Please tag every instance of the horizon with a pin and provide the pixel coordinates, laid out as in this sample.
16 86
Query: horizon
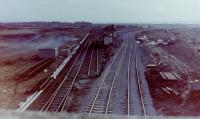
104 11
71 22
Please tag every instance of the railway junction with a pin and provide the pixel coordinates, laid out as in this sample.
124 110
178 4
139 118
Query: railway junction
97 78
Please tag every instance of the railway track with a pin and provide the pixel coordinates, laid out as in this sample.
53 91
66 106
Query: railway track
89 70
124 84
113 85
123 72
140 90
97 63
93 65
145 101
52 87
94 59
98 103
123 68
128 82
59 98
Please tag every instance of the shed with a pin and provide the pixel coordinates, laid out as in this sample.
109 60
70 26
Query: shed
48 53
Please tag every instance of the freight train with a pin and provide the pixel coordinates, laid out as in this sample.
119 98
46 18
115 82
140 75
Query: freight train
59 71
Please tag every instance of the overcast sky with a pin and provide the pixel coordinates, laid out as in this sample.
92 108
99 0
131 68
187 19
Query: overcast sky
117 11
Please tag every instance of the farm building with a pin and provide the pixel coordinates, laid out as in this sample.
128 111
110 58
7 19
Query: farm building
48 53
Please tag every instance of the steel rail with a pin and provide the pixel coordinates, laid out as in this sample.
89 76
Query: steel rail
44 108
103 79
139 82
114 80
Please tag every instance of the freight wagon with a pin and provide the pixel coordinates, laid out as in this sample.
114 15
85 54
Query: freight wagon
48 53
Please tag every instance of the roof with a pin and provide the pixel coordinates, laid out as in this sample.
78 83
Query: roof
151 65
170 76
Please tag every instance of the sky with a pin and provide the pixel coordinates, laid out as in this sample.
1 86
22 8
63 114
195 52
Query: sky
101 11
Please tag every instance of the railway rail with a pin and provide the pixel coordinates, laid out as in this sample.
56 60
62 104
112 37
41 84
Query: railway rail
103 102
128 82
124 65
50 86
94 59
142 86
93 63
58 101
89 70
59 97
139 83
117 73
92 107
